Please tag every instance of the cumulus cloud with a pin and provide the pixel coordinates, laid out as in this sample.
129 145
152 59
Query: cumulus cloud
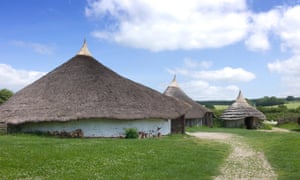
290 75
227 74
202 83
261 27
257 42
202 90
288 31
36 47
288 67
170 25
15 79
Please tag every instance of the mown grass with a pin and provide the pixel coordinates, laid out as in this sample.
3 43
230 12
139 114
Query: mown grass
221 107
292 104
293 126
172 157
281 149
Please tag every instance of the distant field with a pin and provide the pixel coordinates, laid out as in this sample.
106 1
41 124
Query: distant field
171 157
293 104
221 107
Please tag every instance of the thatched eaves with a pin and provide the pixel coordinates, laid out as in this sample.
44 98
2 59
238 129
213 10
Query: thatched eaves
197 110
240 109
83 88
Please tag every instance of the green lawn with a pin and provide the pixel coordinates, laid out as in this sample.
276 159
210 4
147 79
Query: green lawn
171 157
292 104
221 107
281 149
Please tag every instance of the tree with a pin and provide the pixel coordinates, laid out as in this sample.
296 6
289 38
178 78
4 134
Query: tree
210 106
290 98
269 101
5 94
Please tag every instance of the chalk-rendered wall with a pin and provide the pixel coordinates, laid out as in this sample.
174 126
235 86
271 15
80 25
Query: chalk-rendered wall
102 128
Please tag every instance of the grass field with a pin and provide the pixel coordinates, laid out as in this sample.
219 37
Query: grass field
172 157
281 149
221 107
292 104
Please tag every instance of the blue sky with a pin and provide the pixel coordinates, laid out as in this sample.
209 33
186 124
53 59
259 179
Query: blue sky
215 48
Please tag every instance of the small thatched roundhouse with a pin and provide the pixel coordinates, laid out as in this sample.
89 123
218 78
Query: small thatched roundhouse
198 115
84 95
240 114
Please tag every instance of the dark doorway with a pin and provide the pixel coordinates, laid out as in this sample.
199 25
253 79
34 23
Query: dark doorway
178 125
249 122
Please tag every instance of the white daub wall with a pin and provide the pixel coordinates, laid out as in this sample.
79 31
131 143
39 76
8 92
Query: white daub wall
102 128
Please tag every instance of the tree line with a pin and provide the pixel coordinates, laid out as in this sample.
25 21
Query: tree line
265 101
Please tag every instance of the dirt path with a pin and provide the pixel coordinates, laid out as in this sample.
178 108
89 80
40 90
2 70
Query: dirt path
243 162
276 129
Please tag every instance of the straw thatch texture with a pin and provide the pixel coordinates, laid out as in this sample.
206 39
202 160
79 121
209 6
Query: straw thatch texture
82 88
197 110
240 109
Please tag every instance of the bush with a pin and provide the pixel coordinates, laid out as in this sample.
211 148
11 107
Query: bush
266 126
131 133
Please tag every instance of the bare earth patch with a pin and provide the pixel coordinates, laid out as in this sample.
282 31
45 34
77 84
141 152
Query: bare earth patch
243 162
276 129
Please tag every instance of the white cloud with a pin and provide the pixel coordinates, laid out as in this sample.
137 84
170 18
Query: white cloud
287 67
203 83
36 47
260 28
170 25
290 75
257 42
283 22
288 29
201 90
15 79
227 74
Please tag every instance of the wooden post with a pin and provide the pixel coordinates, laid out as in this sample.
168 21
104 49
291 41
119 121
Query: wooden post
3 128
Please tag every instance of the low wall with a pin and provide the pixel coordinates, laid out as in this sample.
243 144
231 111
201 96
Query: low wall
101 128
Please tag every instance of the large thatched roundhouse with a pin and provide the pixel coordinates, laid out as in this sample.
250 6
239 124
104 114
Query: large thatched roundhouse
197 115
84 94
241 114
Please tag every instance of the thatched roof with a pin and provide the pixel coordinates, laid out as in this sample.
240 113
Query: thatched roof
197 110
83 88
240 109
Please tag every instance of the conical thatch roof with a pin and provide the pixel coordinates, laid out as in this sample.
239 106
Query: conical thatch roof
197 110
240 109
82 88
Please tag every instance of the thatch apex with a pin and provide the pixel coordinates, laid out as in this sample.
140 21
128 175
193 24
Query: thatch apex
197 111
174 83
84 50
240 100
